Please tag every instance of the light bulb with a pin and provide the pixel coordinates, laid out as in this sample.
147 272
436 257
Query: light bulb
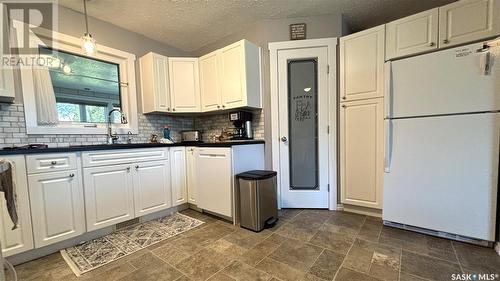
88 44
66 69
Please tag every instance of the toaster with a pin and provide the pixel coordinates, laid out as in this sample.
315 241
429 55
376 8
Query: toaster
190 136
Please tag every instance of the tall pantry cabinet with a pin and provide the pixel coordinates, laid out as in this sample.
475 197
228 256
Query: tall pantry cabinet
361 118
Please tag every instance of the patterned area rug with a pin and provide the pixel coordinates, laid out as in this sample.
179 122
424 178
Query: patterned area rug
100 251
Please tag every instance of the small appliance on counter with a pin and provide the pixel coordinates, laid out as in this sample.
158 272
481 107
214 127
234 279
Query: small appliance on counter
242 121
191 136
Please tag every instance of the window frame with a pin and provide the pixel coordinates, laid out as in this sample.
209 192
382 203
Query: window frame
71 44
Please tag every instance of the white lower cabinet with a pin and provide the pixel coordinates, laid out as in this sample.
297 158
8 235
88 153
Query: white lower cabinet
214 170
20 239
109 195
191 176
178 172
57 209
151 187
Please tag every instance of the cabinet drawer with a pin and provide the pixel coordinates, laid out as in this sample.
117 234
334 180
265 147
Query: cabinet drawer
50 162
111 157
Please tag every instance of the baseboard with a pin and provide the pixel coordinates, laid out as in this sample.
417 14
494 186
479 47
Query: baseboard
362 210
50 249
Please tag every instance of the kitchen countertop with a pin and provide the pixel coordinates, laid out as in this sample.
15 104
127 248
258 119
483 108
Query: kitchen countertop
75 148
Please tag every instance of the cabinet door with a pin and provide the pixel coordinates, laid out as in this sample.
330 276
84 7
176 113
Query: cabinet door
160 83
178 171
362 64
57 209
191 175
7 92
412 35
214 170
232 65
184 84
209 83
20 239
151 187
109 195
467 21
361 152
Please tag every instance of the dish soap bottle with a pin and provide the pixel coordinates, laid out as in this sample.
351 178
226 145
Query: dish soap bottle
166 135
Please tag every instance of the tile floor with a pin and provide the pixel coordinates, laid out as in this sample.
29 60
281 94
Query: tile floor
305 245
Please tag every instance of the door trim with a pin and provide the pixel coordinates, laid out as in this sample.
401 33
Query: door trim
274 48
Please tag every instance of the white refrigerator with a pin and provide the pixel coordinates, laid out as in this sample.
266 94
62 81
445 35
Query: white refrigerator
442 129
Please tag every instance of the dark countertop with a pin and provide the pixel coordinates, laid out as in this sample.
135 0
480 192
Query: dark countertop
76 148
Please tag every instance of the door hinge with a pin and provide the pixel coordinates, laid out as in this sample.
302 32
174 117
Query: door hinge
328 185
327 69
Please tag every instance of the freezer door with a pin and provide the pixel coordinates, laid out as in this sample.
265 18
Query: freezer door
449 81
442 173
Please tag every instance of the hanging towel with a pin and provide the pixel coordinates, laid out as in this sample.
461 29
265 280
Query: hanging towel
7 186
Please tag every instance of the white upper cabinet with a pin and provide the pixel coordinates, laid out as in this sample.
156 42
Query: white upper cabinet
20 239
56 200
184 84
209 83
230 77
154 83
468 20
151 187
240 74
362 64
178 171
7 93
411 35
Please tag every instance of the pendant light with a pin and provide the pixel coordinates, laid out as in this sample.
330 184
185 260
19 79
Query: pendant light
88 43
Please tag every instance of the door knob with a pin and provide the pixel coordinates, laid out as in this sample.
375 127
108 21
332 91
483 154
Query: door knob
284 139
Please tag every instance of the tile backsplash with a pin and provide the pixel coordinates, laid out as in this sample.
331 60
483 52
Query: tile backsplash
13 128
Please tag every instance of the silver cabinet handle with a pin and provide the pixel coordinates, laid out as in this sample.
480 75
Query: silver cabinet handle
344 97
446 41
71 175
128 169
432 44
173 109
344 106
284 139
218 106
53 162
168 108
137 167
223 106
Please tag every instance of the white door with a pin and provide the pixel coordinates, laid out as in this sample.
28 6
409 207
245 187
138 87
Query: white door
361 152
467 21
20 239
151 187
362 57
214 170
232 66
412 35
57 209
191 175
178 171
209 83
109 195
184 84
442 173
303 126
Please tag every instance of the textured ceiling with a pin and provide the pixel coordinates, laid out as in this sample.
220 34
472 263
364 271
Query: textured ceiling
192 24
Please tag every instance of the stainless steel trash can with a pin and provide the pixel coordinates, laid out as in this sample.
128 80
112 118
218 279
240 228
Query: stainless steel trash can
258 203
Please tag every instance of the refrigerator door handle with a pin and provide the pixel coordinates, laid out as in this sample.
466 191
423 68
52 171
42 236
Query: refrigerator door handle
388 145
388 89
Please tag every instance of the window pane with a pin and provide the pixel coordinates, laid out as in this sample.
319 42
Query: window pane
68 112
302 124
95 113
91 83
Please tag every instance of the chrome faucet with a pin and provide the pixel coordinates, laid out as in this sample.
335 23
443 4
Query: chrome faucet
113 137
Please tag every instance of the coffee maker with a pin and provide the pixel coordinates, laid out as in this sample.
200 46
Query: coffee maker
242 121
